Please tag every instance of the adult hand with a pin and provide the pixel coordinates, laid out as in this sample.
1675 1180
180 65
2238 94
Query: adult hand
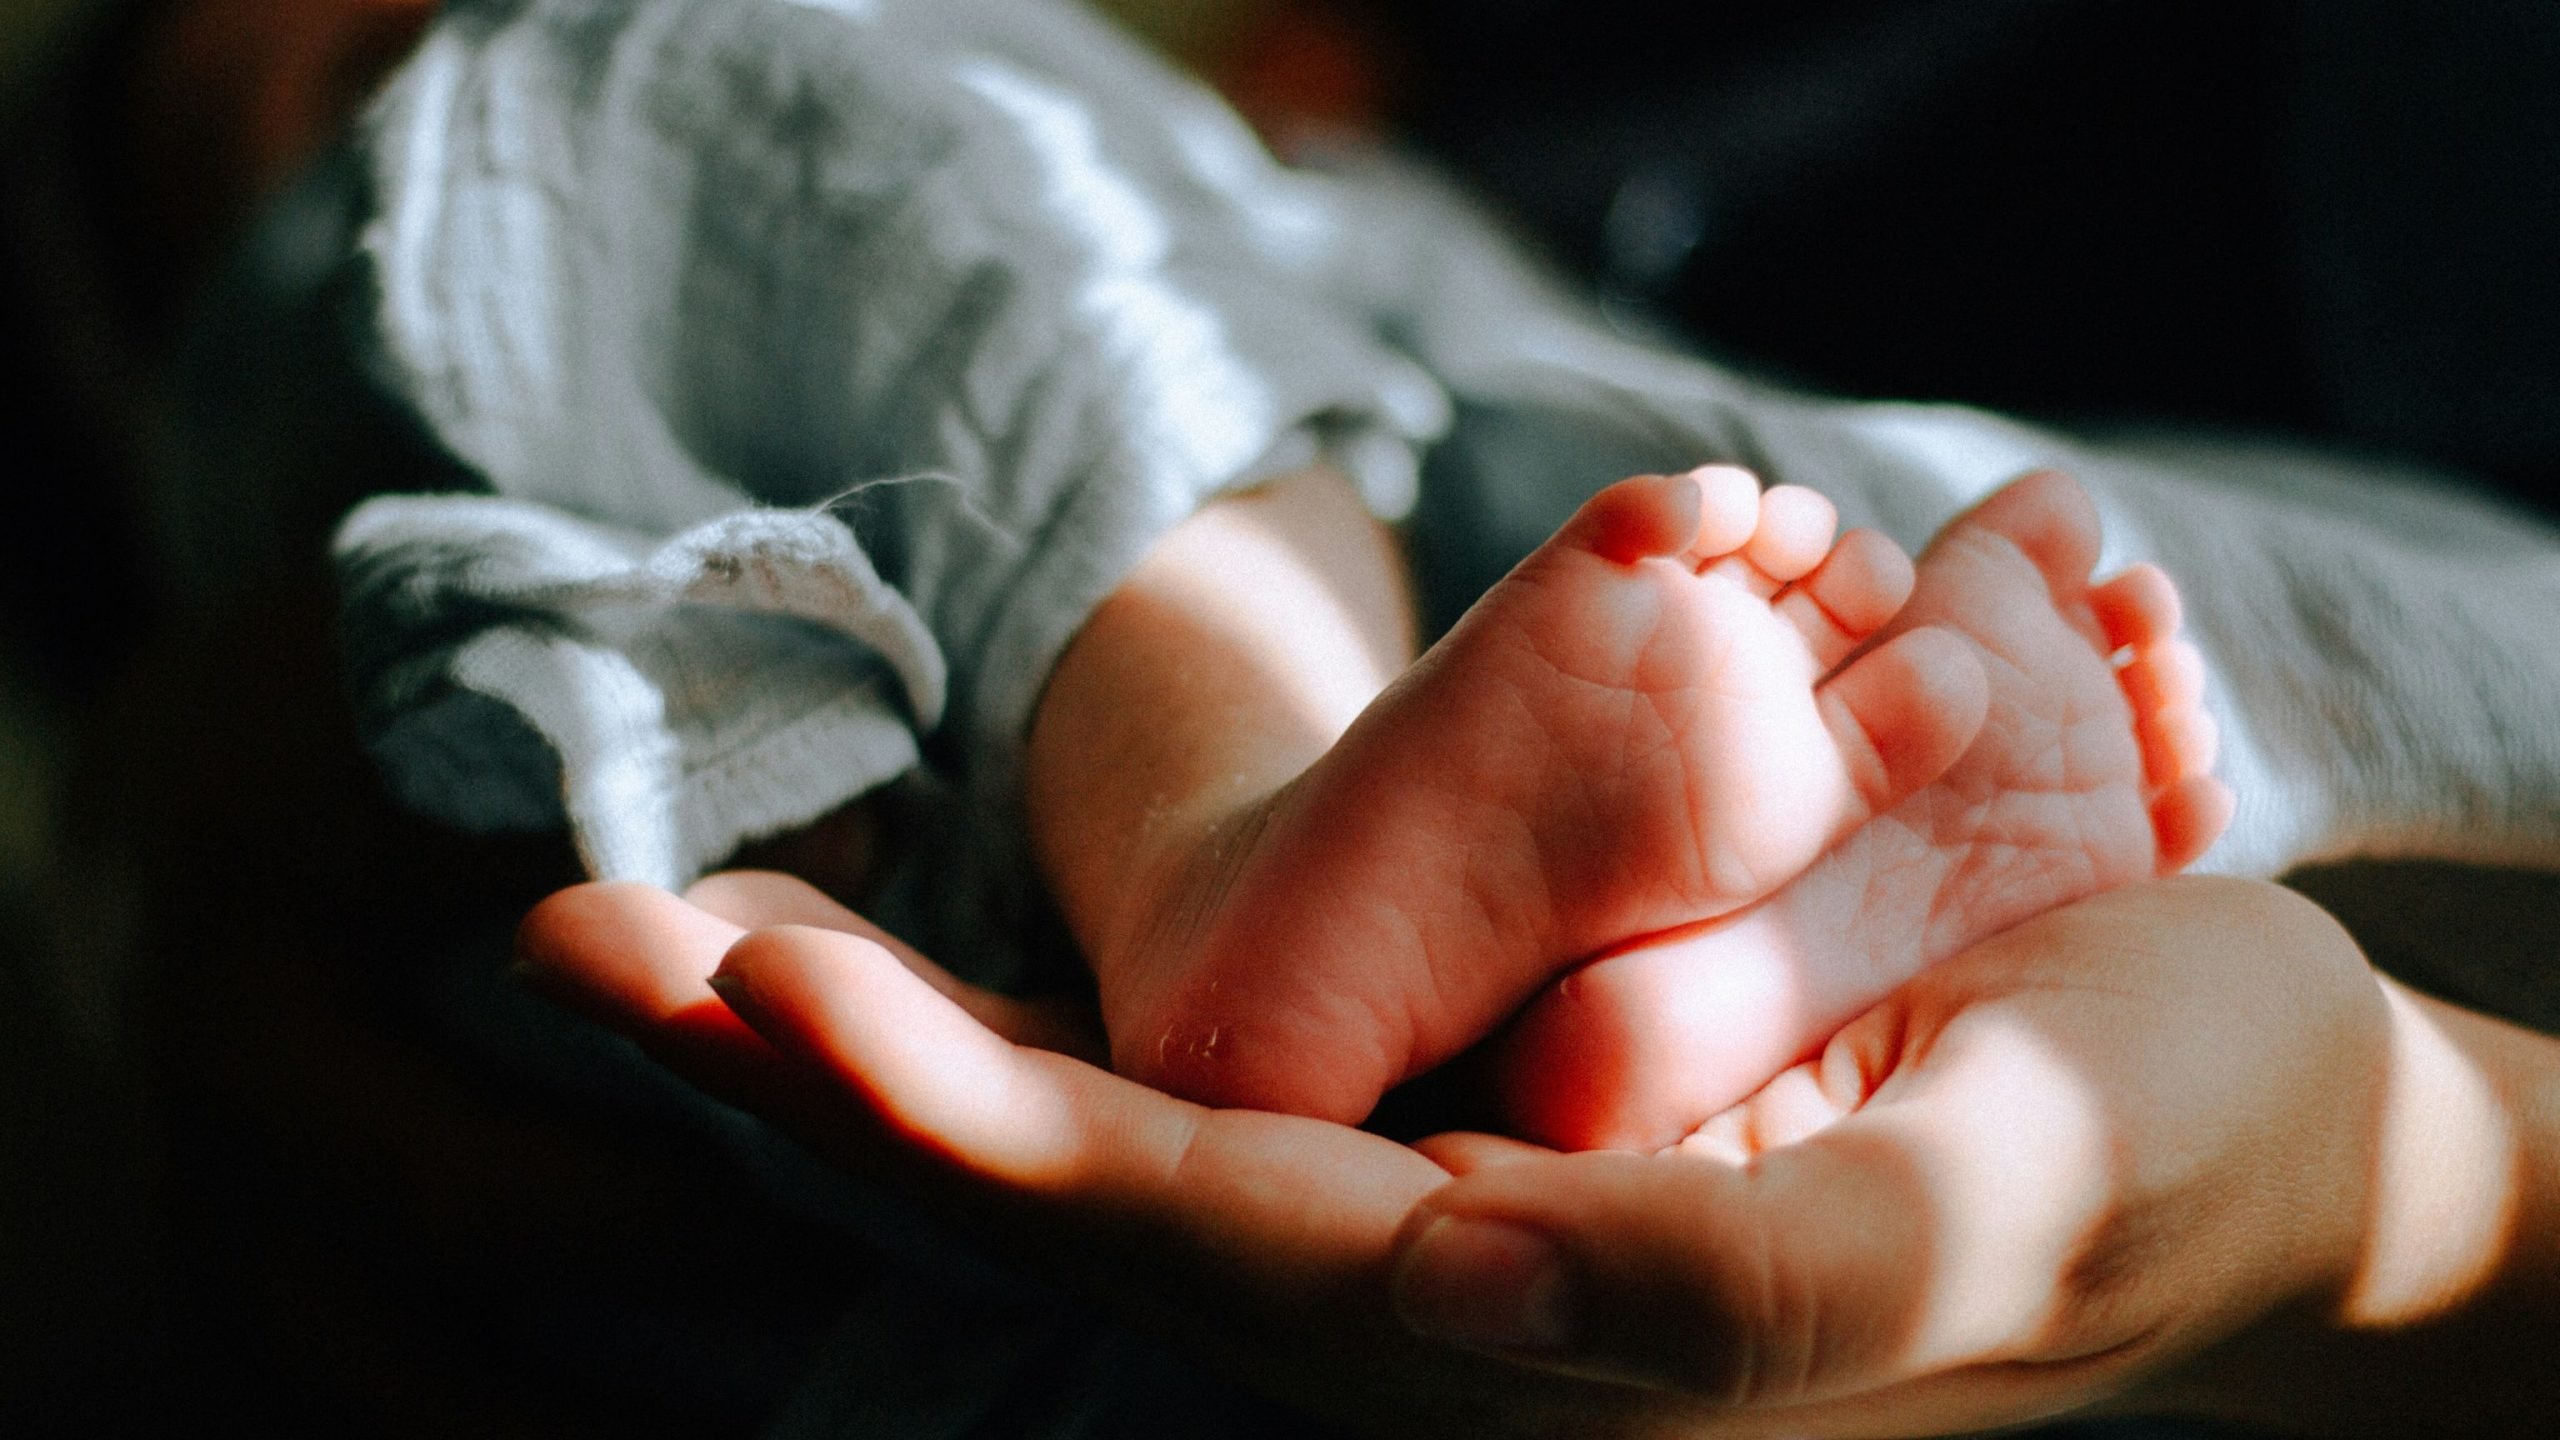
2174 1148
1261 1241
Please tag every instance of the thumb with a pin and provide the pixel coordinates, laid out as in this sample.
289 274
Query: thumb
1662 1270
1935 1230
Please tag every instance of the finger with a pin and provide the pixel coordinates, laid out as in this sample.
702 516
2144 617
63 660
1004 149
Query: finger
759 899
1044 1136
1462 1152
628 955
918 1062
1221 1229
1217 1229
637 960
1726 1137
1801 1102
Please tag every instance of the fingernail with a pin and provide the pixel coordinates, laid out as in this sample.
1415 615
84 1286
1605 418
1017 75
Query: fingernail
1485 1285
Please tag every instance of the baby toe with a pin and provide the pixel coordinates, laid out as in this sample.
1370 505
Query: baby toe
2177 744
1900 714
2047 517
2163 677
2137 608
1796 526
1859 586
1638 518
1729 511
2188 817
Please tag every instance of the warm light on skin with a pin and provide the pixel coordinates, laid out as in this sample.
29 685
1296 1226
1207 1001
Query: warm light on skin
933 1074
1233 567
2446 1187
1241 647
1800 1104
1748 966
1994 1282
2032 1195
1997 1274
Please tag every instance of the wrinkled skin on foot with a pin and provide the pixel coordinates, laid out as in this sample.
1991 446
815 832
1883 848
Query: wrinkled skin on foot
2090 773
1640 728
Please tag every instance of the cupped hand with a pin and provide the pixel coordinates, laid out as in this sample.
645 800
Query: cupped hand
2114 1157
1261 1241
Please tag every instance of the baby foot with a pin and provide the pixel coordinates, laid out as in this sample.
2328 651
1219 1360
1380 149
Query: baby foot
2090 773
1632 731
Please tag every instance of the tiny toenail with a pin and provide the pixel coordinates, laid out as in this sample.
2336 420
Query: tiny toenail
1486 1285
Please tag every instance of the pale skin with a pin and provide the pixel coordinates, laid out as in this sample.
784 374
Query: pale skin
2085 777
2174 1148
1644 732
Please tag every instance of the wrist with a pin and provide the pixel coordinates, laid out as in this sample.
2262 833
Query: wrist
2440 1317
2292 1217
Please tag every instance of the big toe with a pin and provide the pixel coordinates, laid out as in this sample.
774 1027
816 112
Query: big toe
1901 714
1705 513
2047 516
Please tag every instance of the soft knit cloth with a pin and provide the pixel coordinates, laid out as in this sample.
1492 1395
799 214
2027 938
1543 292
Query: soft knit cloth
975 295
